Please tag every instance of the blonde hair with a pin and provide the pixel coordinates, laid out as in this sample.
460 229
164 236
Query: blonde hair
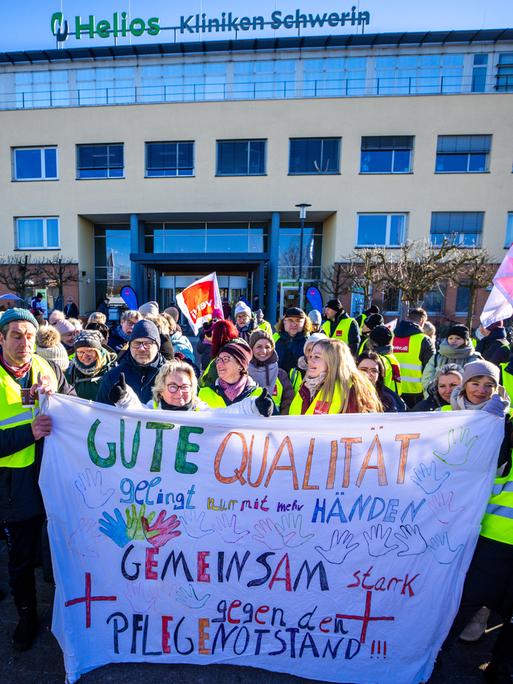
97 317
130 315
174 366
342 371
170 322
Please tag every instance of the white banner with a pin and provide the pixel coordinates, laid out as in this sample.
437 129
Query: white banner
330 547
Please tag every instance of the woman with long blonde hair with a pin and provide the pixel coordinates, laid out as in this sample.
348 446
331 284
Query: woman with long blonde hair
333 384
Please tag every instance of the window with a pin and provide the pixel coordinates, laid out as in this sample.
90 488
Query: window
314 155
34 163
479 73
169 159
462 300
100 161
434 301
391 300
386 230
463 153
37 233
509 230
463 228
241 157
386 154
505 72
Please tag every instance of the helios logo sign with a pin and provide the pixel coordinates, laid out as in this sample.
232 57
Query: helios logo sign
118 26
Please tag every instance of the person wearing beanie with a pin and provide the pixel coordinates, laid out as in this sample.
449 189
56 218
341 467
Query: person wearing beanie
137 368
340 326
67 331
372 309
244 321
151 308
315 319
493 345
439 392
380 341
233 383
23 375
220 334
490 576
56 315
455 348
89 364
413 349
292 331
49 347
371 321
264 370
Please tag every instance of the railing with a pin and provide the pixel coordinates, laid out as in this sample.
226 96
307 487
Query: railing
251 90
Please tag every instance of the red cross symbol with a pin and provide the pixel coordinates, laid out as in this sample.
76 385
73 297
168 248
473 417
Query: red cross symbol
87 599
366 617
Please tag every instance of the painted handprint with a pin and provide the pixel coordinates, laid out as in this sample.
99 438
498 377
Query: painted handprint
441 505
441 549
340 547
115 528
142 596
266 532
89 484
427 479
162 530
192 524
84 540
134 521
189 597
377 540
460 443
412 540
290 530
228 530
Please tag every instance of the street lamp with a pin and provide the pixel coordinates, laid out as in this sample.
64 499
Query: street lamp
303 206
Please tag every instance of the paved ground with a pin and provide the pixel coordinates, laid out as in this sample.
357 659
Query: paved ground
44 665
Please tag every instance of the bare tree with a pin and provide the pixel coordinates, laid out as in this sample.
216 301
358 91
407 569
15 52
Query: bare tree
58 271
476 273
360 271
17 273
418 267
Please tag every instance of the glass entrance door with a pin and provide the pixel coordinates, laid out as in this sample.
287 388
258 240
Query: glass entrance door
289 296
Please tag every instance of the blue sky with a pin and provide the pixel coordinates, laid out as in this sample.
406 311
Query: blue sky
26 24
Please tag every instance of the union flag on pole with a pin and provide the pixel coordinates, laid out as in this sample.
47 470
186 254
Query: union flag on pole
200 301
499 304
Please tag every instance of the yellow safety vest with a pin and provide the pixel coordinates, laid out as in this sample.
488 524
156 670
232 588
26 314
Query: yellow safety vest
507 381
266 327
407 353
388 381
295 378
276 337
341 332
277 393
205 373
12 411
497 522
318 406
362 346
215 400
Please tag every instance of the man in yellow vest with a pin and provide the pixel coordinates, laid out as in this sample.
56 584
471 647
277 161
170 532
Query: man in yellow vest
21 505
413 350
341 326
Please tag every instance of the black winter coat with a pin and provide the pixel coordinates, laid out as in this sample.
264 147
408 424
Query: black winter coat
140 378
289 350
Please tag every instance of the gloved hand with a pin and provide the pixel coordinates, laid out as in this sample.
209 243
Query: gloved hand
118 391
265 404
497 406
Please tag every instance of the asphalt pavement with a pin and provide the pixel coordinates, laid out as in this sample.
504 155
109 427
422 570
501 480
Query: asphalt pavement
43 664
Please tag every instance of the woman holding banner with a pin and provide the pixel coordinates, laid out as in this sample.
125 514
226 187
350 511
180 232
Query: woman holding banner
333 384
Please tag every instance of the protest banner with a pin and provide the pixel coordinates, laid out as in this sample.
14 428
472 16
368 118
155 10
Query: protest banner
329 547
200 300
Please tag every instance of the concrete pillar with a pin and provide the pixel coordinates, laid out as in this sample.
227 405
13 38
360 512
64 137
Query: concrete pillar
136 269
272 277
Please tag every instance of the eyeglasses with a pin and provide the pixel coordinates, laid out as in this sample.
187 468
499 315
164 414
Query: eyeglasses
173 389
223 360
136 344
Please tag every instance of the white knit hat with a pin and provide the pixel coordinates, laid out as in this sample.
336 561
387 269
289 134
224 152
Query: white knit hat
242 307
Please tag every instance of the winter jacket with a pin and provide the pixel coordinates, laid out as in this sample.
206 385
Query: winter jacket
140 378
494 347
266 374
117 339
392 402
289 350
433 401
447 354
88 386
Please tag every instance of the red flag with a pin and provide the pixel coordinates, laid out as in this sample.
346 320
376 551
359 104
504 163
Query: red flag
200 301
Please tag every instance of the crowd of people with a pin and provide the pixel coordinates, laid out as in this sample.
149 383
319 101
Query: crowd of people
309 364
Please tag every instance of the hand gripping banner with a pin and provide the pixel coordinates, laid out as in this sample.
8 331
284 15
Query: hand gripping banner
329 547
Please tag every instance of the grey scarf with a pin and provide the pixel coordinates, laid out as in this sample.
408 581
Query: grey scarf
264 374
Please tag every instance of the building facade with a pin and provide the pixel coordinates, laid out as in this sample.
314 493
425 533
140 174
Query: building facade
153 165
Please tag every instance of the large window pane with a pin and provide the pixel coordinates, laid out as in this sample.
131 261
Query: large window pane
169 159
240 157
314 155
100 161
28 164
37 233
372 229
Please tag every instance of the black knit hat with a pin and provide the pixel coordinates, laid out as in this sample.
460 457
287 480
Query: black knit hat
294 312
146 328
335 304
374 320
381 335
460 330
